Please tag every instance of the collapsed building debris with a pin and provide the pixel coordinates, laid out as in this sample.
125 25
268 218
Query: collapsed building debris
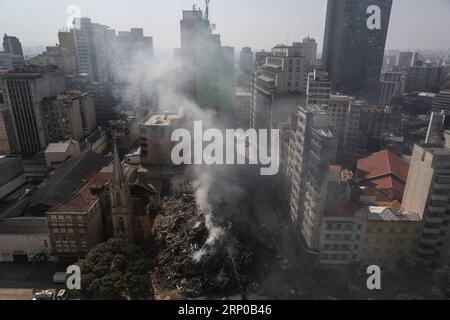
235 263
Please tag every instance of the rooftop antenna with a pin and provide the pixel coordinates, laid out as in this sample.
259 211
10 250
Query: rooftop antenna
207 10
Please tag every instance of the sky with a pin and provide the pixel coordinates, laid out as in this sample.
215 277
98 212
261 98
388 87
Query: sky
260 24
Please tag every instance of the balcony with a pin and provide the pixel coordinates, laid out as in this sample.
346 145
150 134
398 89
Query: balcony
436 197
433 219
431 230
428 242
441 186
432 209
425 253
265 82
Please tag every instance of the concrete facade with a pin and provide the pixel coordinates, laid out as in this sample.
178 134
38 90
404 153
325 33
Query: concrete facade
13 174
22 238
427 194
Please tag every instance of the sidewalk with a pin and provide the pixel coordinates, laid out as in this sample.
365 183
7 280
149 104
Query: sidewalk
28 276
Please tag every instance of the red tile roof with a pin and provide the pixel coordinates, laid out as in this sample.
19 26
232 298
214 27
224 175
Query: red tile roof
385 173
83 199
381 164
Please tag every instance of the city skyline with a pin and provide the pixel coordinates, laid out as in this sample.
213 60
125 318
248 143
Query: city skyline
423 23
151 154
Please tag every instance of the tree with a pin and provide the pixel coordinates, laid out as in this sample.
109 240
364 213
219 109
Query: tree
115 270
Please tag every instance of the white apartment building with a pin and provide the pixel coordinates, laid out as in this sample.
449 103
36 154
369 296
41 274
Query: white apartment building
342 233
311 150
427 194
318 89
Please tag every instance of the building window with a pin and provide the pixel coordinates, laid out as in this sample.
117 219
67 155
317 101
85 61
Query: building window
45 244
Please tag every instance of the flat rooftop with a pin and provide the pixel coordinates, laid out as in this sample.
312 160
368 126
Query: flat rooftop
59 147
21 226
162 118
391 214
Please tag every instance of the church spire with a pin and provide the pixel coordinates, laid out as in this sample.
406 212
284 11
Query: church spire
118 176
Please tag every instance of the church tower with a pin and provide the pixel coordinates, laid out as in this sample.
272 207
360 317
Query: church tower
121 204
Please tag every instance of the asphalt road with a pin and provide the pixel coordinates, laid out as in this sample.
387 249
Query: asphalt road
27 276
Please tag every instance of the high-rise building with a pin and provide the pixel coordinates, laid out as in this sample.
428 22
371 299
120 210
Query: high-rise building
393 84
353 52
69 51
442 102
242 112
425 78
277 86
312 147
56 56
406 60
155 137
345 115
360 127
12 55
95 45
106 100
70 115
12 45
24 91
260 57
376 121
427 194
309 49
133 44
207 66
246 60
318 89
9 61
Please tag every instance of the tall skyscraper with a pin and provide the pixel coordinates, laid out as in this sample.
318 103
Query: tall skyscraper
312 147
246 61
406 59
353 50
12 45
345 116
426 77
442 102
427 194
393 84
309 49
133 43
208 67
24 91
95 50
69 50
278 86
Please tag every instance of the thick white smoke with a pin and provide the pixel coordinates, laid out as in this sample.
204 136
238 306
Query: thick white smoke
202 188
155 79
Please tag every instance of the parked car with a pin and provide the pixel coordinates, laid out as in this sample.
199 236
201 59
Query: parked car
44 295
62 295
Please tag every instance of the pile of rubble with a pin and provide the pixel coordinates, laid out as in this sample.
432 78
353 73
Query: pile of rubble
236 262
